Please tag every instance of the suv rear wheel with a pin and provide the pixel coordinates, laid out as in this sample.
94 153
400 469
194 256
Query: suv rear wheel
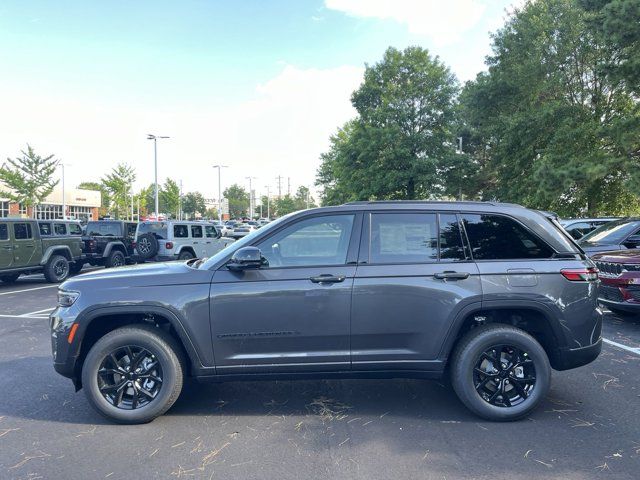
115 259
133 374
57 269
499 372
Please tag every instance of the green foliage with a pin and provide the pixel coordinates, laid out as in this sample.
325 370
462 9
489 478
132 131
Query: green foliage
28 177
118 185
303 198
169 198
403 134
192 203
284 205
548 126
238 201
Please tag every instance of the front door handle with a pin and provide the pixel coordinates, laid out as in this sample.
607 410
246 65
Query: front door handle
7 247
327 278
451 275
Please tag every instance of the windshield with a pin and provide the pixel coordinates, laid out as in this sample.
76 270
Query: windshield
611 233
103 229
159 229
225 252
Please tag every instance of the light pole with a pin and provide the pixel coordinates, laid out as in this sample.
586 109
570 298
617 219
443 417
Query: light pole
64 200
155 163
250 197
220 167
268 201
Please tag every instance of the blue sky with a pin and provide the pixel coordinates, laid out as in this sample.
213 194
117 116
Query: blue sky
258 85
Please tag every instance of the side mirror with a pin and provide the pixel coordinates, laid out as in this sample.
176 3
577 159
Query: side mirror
246 258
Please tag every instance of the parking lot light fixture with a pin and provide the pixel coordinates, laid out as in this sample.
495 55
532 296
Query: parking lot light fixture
220 167
155 163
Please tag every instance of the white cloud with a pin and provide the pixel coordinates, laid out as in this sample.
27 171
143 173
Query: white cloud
442 21
281 130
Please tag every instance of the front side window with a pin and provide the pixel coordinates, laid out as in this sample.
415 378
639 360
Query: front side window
45 229
180 231
312 242
196 231
403 238
60 228
495 237
4 232
210 231
22 231
75 229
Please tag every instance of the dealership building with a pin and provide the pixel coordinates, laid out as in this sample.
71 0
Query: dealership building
80 205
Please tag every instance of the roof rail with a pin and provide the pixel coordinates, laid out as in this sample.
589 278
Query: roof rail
437 202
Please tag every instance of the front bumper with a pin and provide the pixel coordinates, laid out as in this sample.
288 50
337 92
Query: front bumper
622 292
65 354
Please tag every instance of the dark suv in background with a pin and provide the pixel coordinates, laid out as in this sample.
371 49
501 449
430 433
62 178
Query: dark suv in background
492 295
620 276
617 235
109 243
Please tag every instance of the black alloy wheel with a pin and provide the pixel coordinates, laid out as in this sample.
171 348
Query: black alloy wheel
130 377
504 376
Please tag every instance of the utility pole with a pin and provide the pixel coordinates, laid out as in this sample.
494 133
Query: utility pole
64 201
460 184
251 199
288 185
180 202
308 193
279 178
268 202
219 167
155 163
131 188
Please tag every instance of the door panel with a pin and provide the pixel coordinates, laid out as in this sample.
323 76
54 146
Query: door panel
26 247
6 248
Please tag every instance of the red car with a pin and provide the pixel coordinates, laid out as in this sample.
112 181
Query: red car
620 276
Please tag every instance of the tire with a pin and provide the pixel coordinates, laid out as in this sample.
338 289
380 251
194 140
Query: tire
75 267
9 278
170 368
479 391
186 255
57 269
147 246
115 259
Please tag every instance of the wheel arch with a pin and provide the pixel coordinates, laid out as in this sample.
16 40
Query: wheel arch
63 250
114 245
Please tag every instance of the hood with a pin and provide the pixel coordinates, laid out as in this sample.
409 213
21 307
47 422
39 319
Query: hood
593 248
622 256
145 275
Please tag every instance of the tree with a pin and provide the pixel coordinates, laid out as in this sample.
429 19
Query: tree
192 203
552 128
104 194
28 178
119 184
303 198
403 134
284 205
211 214
169 197
238 200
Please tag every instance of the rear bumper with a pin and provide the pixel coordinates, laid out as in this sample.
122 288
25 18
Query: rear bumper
576 357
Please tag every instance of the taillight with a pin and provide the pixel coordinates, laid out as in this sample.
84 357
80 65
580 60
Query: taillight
168 245
580 274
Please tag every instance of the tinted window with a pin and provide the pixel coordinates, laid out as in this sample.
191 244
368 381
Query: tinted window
105 229
196 231
180 231
450 238
494 237
403 238
45 228
22 231
314 241
131 229
159 229
4 232
210 231
75 229
60 228
611 233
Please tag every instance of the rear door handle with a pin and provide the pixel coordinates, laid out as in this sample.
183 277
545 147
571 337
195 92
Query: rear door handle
327 278
451 275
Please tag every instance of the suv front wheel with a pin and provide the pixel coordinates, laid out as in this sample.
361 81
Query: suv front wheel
500 372
133 374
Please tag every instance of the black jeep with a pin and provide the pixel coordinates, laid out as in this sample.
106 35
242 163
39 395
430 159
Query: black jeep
109 243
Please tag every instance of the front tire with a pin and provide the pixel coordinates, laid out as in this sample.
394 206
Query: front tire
133 374
57 269
500 373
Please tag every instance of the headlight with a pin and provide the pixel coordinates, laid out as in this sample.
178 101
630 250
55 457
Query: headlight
66 298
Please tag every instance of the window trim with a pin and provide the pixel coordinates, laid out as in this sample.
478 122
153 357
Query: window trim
527 229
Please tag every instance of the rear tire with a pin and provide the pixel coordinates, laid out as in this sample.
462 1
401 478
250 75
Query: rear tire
9 278
115 259
162 349
507 388
57 269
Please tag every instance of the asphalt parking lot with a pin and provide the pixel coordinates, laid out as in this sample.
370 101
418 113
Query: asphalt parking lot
588 427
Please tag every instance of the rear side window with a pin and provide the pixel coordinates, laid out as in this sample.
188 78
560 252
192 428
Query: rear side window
131 230
45 229
22 231
451 246
495 237
60 228
196 231
180 231
4 232
74 229
106 229
403 238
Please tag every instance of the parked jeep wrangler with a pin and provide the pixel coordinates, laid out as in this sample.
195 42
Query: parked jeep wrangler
109 243
25 250
492 295
178 240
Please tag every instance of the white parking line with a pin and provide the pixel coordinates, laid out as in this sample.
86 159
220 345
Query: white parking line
39 312
28 289
623 347
22 317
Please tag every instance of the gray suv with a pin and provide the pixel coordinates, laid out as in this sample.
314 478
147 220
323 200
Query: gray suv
491 295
